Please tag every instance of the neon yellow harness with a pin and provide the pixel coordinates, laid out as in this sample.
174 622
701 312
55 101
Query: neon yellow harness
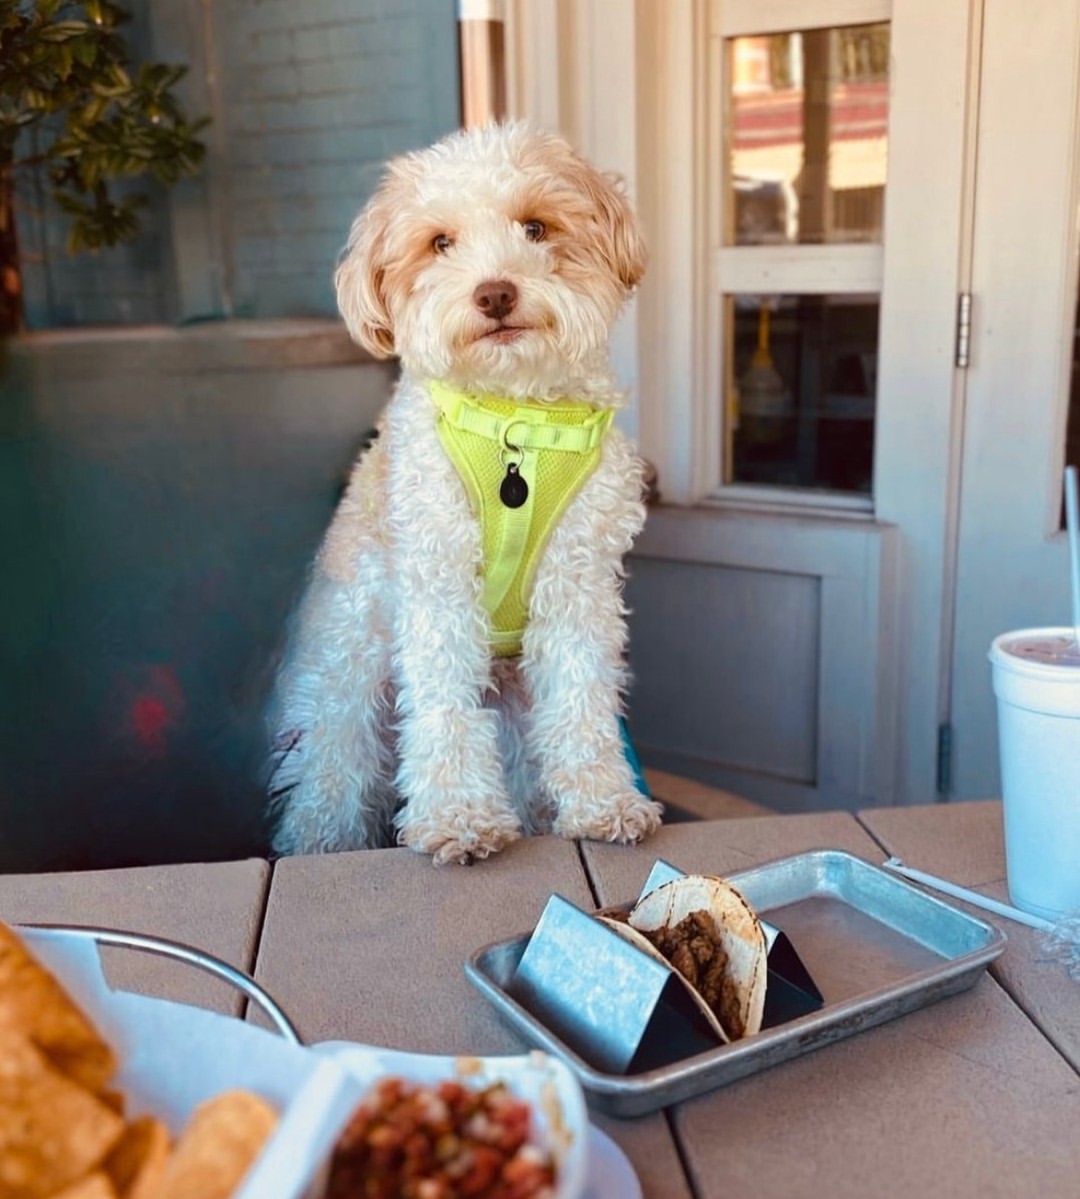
553 446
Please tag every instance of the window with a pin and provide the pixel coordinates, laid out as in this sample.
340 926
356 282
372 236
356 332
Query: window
800 222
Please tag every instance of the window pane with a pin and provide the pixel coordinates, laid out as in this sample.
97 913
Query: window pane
803 391
808 136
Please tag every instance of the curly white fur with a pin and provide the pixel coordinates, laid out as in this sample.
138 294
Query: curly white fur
390 711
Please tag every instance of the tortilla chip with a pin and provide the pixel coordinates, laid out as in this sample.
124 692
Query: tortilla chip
138 1159
115 1099
52 1131
93 1186
35 1005
218 1147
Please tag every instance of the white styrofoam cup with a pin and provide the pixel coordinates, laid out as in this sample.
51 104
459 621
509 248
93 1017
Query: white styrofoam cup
1038 704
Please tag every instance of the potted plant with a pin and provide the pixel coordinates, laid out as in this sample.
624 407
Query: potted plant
74 105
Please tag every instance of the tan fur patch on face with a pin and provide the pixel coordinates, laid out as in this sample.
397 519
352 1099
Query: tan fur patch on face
412 252
590 207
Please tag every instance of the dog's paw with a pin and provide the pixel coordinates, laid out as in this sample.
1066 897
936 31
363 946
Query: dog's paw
627 816
463 838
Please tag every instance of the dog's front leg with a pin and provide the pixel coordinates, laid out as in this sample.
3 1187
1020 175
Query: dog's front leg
332 770
573 659
450 773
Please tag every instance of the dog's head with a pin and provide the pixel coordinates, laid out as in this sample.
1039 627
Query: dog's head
498 258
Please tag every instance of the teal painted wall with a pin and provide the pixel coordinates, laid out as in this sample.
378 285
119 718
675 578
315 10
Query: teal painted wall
161 497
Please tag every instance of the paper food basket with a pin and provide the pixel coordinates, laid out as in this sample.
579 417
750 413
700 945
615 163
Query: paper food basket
174 1056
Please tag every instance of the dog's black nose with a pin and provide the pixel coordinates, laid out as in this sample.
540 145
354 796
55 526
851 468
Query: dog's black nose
495 298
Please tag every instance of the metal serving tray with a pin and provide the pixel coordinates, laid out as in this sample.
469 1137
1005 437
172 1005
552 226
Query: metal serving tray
876 946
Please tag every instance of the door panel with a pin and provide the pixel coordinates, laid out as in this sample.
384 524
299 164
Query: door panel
762 676
758 647
1012 568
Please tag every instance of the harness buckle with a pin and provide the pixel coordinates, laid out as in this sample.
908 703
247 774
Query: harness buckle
510 455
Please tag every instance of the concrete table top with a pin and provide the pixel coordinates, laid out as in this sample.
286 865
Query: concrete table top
369 946
214 906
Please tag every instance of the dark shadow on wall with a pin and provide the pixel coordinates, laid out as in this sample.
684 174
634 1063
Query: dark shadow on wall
160 502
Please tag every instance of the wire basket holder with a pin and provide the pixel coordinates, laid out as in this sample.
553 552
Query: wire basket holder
178 951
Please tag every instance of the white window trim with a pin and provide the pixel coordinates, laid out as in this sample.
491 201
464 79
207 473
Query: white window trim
834 269
778 16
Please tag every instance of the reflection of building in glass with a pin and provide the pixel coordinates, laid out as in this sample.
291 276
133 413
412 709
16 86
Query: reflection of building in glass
809 135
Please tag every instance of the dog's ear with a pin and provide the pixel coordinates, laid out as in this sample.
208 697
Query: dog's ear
624 246
360 280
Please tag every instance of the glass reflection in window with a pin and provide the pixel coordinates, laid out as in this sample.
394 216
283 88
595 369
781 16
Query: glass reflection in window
808 135
803 392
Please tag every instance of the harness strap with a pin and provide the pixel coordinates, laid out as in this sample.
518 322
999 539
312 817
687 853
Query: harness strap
526 428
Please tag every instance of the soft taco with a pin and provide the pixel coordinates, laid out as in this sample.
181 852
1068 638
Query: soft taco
709 934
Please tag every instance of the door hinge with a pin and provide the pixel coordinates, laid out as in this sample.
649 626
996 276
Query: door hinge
963 329
944 759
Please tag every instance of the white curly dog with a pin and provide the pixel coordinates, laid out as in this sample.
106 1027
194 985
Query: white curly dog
457 668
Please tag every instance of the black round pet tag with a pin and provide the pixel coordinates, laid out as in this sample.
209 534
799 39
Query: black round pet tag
513 491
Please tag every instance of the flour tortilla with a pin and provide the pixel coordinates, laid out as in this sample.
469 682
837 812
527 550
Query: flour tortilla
738 933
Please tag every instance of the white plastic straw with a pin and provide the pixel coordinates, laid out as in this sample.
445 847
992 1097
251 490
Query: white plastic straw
1072 526
972 897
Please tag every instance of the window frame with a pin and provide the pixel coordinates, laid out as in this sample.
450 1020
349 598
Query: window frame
841 268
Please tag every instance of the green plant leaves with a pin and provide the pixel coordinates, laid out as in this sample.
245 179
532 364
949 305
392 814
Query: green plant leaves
66 67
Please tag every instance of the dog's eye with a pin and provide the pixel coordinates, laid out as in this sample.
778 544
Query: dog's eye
441 242
534 230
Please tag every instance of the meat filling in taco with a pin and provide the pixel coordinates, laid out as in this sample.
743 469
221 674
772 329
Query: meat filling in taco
692 948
